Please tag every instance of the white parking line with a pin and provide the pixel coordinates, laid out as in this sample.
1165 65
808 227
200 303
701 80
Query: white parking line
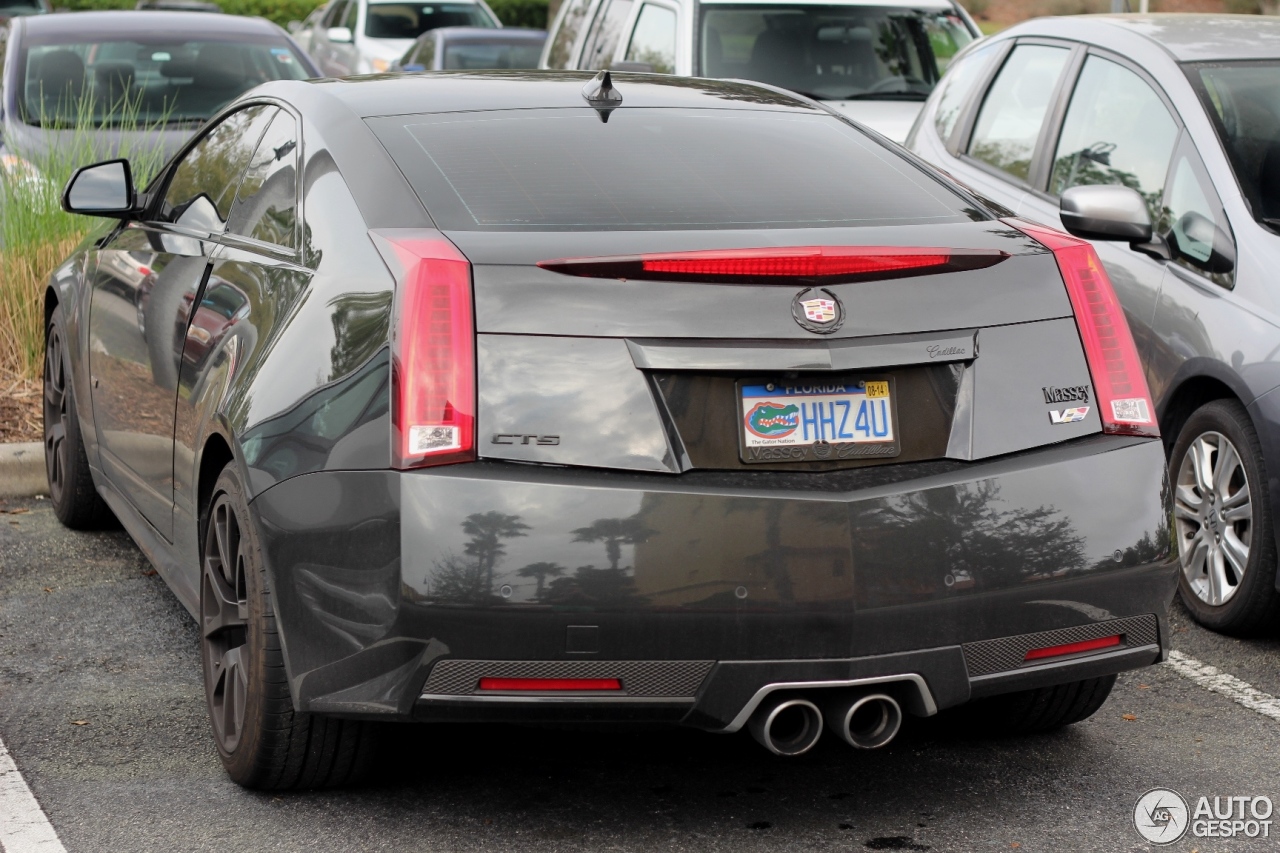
24 827
1214 679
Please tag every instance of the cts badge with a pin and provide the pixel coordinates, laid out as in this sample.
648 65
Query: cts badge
818 310
1068 416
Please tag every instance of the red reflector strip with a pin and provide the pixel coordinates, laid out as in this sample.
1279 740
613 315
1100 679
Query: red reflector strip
1073 648
818 264
550 684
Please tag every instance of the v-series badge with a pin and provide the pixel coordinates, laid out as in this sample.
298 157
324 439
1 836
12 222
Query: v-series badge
1066 395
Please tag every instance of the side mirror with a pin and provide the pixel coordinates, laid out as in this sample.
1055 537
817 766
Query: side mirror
1203 244
339 35
103 189
1106 213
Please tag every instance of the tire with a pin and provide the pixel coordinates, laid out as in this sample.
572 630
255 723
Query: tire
263 742
1226 542
75 499
1041 710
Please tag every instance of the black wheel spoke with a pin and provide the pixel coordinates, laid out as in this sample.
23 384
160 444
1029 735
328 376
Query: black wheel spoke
224 616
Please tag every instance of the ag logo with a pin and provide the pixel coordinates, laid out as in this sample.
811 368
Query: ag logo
818 310
1161 816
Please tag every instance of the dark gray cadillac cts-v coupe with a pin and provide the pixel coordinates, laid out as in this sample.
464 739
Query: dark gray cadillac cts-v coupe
543 397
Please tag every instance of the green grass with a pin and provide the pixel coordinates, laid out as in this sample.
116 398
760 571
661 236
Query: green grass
36 236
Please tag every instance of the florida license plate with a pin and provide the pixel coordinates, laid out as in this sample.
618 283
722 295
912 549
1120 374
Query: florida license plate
817 420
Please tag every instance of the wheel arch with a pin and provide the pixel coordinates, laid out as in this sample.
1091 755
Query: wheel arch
1190 394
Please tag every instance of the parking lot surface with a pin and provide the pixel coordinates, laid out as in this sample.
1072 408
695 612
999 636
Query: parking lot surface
102 710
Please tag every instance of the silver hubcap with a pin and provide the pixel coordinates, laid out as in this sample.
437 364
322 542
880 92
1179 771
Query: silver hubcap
1214 516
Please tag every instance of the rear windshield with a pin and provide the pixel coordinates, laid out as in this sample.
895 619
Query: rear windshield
830 51
498 53
657 169
145 81
410 20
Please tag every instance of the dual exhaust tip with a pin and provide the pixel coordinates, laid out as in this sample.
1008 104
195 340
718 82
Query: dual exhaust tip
792 725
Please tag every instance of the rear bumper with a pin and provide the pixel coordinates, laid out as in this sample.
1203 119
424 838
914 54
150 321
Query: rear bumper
396 592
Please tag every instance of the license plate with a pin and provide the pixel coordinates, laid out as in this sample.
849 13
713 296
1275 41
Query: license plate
816 420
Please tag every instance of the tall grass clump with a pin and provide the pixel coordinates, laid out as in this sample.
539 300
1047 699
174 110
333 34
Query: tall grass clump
36 236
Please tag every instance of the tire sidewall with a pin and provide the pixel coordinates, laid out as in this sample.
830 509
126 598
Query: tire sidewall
64 503
1230 419
242 763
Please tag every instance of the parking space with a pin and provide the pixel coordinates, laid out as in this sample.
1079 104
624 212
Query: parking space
102 710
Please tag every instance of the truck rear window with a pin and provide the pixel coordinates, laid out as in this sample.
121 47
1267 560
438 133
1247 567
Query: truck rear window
651 169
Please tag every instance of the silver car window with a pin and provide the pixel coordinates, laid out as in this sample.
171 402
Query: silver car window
654 39
1012 114
1117 131
957 85
606 32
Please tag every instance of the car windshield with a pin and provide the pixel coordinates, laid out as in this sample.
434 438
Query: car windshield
496 53
832 52
143 83
410 20
1244 100
648 169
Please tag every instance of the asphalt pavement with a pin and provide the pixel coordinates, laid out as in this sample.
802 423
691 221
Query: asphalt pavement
101 709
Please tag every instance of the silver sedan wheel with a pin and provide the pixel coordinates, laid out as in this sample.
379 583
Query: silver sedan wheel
1214 516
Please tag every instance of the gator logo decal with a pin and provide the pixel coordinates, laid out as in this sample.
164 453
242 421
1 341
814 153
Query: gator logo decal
770 420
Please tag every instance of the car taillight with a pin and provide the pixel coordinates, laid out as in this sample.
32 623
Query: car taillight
1124 403
815 264
433 372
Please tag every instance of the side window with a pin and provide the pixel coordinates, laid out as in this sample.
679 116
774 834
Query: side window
203 185
606 32
959 82
426 53
1194 222
558 55
349 19
1117 131
1013 112
266 205
654 39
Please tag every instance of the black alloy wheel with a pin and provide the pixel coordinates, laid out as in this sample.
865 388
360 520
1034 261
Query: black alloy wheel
1223 521
75 500
262 741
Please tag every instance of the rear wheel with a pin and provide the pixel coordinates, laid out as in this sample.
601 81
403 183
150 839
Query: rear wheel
75 500
1225 541
1042 709
262 741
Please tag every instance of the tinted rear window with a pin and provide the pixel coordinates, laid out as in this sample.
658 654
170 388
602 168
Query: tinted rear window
657 169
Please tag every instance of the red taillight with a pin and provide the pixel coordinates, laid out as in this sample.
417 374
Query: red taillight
1124 403
433 372
815 264
549 684
1073 648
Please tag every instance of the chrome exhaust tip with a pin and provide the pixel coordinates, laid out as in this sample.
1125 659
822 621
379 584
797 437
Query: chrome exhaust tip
787 726
869 722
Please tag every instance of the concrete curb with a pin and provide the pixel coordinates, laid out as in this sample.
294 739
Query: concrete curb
22 473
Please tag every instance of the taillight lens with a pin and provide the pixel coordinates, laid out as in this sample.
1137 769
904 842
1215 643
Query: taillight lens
1124 402
1074 648
433 372
814 264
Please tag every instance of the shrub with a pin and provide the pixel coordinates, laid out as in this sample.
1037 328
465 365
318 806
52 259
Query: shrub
521 13
36 235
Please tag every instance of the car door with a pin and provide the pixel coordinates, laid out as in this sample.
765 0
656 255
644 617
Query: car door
1117 129
323 50
255 274
147 275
